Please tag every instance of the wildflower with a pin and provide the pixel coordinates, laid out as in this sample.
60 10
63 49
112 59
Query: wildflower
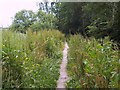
17 56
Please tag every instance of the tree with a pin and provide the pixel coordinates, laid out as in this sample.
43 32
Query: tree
44 6
104 21
43 21
115 29
100 19
69 16
22 20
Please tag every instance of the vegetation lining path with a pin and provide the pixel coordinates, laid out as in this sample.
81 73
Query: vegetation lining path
63 74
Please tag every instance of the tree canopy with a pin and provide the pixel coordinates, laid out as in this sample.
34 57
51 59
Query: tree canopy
22 20
89 19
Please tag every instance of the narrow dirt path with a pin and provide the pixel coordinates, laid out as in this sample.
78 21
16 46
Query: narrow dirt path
63 72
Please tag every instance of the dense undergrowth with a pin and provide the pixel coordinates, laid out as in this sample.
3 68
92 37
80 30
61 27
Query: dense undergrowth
31 60
92 65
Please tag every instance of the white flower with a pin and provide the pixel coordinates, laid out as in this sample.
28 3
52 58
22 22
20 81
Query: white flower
17 56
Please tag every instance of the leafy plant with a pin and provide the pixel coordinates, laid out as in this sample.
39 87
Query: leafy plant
91 64
31 60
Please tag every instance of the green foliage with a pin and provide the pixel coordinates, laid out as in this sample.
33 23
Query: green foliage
22 20
115 32
99 30
31 60
69 17
44 21
102 22
92 65
89 19
25 19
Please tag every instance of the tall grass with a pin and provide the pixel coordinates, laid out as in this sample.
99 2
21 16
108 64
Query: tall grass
92 65
31 60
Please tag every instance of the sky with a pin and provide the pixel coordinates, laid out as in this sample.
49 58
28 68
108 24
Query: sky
8 8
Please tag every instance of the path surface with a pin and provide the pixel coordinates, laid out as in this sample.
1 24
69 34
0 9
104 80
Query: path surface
63 72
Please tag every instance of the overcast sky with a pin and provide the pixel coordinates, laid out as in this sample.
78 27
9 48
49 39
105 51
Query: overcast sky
8 8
